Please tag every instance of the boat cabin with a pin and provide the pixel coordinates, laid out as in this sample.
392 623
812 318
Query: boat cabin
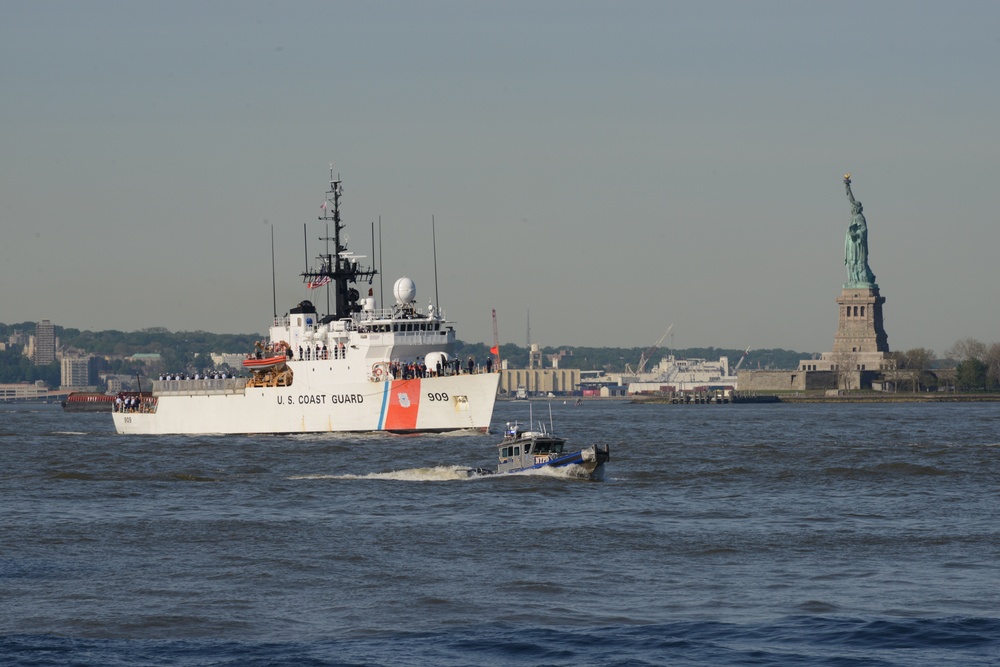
526 445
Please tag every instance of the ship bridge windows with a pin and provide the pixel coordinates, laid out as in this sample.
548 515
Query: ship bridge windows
407 327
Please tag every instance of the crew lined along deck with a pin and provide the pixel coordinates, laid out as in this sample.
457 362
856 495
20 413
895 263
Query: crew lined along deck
232 385
140 404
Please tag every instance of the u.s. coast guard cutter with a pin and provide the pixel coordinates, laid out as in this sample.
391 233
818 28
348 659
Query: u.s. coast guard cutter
360 369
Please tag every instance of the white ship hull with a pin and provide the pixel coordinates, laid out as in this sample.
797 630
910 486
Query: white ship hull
437 404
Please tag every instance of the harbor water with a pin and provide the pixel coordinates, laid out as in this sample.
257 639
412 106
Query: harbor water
719 535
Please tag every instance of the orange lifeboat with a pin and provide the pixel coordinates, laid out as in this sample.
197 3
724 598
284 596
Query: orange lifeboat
264 364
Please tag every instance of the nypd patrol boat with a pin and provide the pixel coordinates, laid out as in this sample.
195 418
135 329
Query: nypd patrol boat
525 449
360 368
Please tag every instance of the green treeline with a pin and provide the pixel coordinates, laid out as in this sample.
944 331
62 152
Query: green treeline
180 350
977 364
190 350
15 367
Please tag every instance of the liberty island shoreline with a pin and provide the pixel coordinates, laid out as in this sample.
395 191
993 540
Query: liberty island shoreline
857 397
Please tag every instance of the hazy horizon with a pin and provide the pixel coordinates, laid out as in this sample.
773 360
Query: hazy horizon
613 168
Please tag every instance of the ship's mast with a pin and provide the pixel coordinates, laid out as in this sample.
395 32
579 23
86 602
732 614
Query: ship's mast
340 268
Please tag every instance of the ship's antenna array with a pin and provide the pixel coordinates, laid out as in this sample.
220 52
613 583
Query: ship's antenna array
274 287
437 299
338 268
380 286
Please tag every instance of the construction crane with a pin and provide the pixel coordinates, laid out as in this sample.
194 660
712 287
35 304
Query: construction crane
648 354
496 340
740 362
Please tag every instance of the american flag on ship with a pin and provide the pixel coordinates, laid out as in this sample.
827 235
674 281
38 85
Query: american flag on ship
319 282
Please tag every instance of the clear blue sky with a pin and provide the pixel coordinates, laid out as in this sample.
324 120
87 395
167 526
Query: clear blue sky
613 167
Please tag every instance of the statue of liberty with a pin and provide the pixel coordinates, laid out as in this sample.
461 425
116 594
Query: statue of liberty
859 274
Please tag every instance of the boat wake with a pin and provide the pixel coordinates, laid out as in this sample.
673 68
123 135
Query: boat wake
435 474
457 473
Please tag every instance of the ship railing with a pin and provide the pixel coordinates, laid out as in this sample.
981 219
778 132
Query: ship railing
366 318
394 315
429 339
199 387
376 314
135 404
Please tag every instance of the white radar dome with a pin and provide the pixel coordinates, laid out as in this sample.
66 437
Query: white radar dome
405 291
432 359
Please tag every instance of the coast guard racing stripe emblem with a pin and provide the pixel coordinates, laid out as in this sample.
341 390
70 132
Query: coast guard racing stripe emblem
403 405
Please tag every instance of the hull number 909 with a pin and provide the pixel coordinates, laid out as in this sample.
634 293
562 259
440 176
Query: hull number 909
437 396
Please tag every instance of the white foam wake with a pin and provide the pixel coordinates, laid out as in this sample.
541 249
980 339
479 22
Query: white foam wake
435 474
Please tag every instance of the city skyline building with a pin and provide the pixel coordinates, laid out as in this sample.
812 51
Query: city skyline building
75 371
44 344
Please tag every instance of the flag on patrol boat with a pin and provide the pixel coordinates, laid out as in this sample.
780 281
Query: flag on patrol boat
319 282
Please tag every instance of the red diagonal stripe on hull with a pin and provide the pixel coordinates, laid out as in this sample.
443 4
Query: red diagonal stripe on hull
404 404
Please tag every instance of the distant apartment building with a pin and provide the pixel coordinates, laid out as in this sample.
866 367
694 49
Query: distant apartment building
43 348
117 383
233 360
18 338
75 371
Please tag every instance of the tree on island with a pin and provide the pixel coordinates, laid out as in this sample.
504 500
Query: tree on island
844 367
913 365
978 366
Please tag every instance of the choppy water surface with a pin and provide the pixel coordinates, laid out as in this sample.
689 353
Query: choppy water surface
725 535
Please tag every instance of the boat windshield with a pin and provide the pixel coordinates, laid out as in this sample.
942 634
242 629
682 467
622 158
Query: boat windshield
548 447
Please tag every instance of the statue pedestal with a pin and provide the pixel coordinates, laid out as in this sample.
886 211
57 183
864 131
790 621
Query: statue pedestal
860 328
861 344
